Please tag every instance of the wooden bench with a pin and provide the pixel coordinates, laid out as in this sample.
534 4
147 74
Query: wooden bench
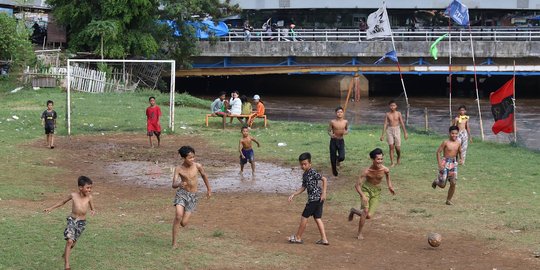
234 116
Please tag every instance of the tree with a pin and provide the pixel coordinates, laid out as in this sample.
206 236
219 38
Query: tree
15 41
138 26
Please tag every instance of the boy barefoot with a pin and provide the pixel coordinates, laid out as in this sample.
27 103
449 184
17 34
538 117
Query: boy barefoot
48 121
337 128
368 186
76 222
153 112
246 151
392 121
316 198
464 135
186 197
448 163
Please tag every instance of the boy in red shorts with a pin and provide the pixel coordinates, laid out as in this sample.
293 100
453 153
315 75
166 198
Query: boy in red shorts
153 112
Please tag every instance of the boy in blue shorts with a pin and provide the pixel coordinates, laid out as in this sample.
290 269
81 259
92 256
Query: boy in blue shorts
246 150
316 198
48 121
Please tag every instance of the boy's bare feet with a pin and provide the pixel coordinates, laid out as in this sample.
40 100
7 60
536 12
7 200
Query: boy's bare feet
360 237
175 246
448 202
392 164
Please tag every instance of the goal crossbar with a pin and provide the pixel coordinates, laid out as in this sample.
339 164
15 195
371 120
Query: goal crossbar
172 83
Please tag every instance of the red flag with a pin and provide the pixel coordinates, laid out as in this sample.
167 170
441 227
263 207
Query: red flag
502 108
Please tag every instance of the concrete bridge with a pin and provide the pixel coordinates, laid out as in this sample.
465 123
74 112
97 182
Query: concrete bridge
349 52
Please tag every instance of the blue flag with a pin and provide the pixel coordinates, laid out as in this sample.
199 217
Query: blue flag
458 12
390 55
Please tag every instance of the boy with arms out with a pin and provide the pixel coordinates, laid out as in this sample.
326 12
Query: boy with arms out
451 150
316 198
337 128
246 150
392 121
48 121
153 112
76 222
368 187
186 197
464 135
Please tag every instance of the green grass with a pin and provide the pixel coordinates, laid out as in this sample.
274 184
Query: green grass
498 189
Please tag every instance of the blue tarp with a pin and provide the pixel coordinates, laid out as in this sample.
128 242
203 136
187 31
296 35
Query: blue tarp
204 29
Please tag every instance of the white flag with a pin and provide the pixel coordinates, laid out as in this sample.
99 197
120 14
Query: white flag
378 24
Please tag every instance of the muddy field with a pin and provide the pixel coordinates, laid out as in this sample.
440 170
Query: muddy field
256 207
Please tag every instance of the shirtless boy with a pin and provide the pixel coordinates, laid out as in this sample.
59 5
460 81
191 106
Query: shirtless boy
464 135
392 121
246 150
451 150
186 197
368 186
337 128
76 222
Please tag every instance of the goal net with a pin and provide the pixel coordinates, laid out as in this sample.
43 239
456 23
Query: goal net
113 77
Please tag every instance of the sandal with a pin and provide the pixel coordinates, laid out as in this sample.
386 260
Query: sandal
294 240
322 242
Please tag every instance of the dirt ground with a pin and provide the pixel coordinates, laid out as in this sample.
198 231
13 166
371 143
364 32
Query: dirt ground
270 219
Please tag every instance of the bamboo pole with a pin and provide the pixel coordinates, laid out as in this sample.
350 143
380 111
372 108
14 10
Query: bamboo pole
476 85
426 118
349 93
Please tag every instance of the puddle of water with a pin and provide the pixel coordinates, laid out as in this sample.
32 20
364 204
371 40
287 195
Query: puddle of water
269 178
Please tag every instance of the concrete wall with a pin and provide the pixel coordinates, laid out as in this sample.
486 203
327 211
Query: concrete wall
460 49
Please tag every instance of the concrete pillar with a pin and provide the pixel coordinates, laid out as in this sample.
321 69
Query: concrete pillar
346 80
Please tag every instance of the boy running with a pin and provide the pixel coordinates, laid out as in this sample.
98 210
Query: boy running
368 186
246 150
448 163
48 121
392 121
153 112
316 198
76 222
337 128
186 197
464 135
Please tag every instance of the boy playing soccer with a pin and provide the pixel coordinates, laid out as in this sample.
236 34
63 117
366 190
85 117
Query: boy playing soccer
337 128
464 135
48 121
153 112
368 186
392 121
246 151
448 170
76 222
186 197
316 198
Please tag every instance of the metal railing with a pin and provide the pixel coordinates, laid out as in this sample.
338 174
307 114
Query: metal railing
348 35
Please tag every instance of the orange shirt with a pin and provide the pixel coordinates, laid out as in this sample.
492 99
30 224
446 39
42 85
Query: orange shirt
260 109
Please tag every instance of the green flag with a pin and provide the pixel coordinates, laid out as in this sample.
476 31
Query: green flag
433 49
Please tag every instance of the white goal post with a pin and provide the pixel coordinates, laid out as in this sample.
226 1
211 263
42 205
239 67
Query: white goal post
69 76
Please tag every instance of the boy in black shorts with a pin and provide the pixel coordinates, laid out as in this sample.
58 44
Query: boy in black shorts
48 121
316 197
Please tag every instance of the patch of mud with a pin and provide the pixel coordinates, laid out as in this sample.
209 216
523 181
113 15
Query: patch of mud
269 178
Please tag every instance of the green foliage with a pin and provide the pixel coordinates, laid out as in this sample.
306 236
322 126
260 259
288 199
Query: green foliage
15 41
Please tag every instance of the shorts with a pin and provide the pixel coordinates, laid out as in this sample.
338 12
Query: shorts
250 156
186 199
448 172
157 133
393 136
373 193
74 228
49 129
314 209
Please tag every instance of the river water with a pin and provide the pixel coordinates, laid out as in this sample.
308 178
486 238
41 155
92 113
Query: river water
371 111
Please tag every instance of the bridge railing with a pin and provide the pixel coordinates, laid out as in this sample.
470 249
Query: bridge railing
348 35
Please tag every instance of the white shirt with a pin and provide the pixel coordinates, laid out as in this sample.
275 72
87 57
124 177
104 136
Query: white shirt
236 106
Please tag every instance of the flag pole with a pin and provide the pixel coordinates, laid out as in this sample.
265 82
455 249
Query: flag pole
476 84
401 78
450 68
514 104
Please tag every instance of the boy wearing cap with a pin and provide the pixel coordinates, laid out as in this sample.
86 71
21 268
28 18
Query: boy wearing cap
260 110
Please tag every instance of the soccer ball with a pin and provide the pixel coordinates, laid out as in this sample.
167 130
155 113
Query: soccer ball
434 239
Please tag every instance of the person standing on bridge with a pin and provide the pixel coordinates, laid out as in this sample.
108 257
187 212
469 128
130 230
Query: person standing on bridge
337 128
